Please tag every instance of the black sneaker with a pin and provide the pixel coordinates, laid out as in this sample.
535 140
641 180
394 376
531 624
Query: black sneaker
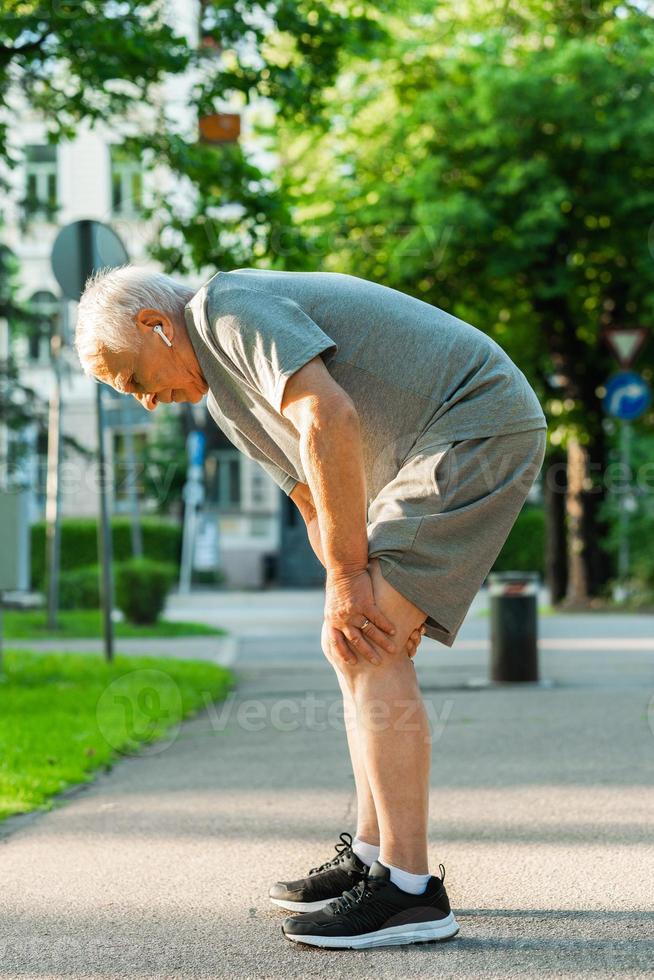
377 913
323 884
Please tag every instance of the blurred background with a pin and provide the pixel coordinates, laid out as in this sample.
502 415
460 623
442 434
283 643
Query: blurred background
492 159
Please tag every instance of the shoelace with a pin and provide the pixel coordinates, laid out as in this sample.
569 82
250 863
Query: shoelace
345 845
363 889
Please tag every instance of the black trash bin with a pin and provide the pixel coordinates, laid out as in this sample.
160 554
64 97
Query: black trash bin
514 626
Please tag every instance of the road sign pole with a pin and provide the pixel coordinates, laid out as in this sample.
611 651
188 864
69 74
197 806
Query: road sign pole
193 498
53 494
80 249
623 522
628 396
87 264
104 534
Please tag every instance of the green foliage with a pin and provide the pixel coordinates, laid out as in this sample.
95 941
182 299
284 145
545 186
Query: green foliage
64 715
99 60
19 404
79 546
524 550
164 461
80 63
292 56
637 488
504 174
497 162
141 588
641 585
71 55
79 588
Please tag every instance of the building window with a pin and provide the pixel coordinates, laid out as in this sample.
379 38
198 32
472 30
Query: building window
45 305
41 181
126 183
260 527
258 488
224 478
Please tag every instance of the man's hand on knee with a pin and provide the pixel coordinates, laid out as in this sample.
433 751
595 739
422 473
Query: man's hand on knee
356 626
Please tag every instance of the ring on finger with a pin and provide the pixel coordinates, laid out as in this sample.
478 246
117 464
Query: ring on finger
366 623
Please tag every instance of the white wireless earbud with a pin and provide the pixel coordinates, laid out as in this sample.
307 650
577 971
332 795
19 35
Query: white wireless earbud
159 329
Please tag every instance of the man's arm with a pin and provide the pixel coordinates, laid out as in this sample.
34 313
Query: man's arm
301 495
332 457
303 498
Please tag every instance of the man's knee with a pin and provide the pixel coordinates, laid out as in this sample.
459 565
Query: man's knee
405 616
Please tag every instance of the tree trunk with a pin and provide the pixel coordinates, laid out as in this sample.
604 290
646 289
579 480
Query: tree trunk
578 579
556 557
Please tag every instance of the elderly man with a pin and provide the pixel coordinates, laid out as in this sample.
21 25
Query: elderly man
409 442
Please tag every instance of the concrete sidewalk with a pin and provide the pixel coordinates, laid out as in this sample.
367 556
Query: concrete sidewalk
542 804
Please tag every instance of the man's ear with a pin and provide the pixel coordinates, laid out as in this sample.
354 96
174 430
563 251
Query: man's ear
147 320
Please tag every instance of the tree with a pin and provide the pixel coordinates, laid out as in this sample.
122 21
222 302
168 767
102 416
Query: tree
19 404
504 173
67 69
92 61
100 61
284 56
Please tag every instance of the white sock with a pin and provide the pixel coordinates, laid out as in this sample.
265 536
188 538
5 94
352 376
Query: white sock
368 853
413 884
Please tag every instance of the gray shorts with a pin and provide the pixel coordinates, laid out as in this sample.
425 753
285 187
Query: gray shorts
441 522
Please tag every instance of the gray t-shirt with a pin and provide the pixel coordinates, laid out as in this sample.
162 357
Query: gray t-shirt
407 366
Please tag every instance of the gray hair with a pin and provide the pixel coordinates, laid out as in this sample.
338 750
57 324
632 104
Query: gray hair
112 298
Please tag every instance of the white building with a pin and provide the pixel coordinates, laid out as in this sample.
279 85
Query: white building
89 178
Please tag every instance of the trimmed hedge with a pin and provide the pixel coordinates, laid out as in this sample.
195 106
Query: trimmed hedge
524 550
80 588
162 541
141 589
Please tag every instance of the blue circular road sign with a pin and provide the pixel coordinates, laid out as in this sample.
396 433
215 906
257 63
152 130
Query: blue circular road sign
627 396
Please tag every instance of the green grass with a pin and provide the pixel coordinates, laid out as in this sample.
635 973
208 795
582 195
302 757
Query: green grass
64 715
87 623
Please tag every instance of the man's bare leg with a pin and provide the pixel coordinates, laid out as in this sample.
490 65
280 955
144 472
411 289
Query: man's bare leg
393 736
367 826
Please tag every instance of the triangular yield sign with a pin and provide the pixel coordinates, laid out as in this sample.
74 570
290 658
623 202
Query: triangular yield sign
625 343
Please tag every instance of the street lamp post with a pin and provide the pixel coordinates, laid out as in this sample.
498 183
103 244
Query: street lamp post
81 249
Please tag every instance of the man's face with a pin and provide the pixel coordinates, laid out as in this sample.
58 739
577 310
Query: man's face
155 373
